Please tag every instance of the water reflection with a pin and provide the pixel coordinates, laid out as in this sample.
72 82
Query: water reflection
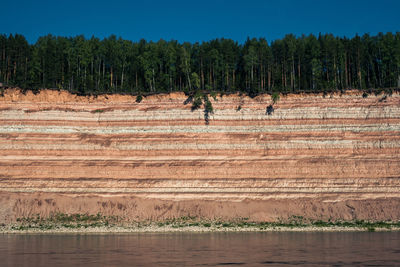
199 249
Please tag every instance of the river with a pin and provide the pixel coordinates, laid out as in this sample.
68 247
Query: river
202 249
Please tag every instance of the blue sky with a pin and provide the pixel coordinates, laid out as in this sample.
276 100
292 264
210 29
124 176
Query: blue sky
198 20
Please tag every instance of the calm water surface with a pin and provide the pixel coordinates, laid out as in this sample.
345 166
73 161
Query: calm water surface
199 249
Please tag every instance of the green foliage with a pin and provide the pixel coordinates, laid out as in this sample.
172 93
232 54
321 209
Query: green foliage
275 97
197 102
79 221
213 94
139 98
208 109
113 65
383 98
269 110
65 220
195 80
98 110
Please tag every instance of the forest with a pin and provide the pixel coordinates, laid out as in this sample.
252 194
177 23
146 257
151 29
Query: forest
307 63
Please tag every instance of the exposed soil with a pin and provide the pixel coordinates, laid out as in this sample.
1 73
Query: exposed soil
324 158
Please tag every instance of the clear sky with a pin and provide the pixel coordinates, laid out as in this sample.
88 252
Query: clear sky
197 20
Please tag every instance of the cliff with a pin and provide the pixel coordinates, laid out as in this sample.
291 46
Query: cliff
321 157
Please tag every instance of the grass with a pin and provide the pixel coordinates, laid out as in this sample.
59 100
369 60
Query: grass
98 110
70 221
84 221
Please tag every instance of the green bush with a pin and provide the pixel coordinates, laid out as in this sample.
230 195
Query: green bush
208 109
275 97
197 102
270 109
213 94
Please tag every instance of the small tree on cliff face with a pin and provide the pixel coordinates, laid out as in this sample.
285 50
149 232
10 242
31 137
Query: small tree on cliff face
269 110
197 102
208 109
275 97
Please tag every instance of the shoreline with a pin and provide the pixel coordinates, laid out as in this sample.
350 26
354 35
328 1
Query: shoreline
192 229
121 230
97 223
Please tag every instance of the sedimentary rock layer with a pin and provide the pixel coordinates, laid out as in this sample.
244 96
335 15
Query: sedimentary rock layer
332 157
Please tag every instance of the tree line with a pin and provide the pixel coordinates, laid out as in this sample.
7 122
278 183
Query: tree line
307 63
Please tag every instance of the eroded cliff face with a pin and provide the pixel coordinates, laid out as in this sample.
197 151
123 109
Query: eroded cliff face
334 157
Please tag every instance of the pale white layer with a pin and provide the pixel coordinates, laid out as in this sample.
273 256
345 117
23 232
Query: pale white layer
222 114
295 144
198 129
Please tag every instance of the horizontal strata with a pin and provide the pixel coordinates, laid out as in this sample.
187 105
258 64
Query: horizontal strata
128 123
310 168
334 157
277 187
199 129
185 114
294 144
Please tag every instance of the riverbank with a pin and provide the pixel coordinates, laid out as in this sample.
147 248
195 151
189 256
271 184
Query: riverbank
193 229
83 223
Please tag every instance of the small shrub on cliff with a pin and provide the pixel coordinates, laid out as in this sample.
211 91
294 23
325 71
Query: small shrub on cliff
139 98
383 99
196 104
275 97
188 100
98 110
389 91
269 110
208 109
378 91
197 101
213 94
207 224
